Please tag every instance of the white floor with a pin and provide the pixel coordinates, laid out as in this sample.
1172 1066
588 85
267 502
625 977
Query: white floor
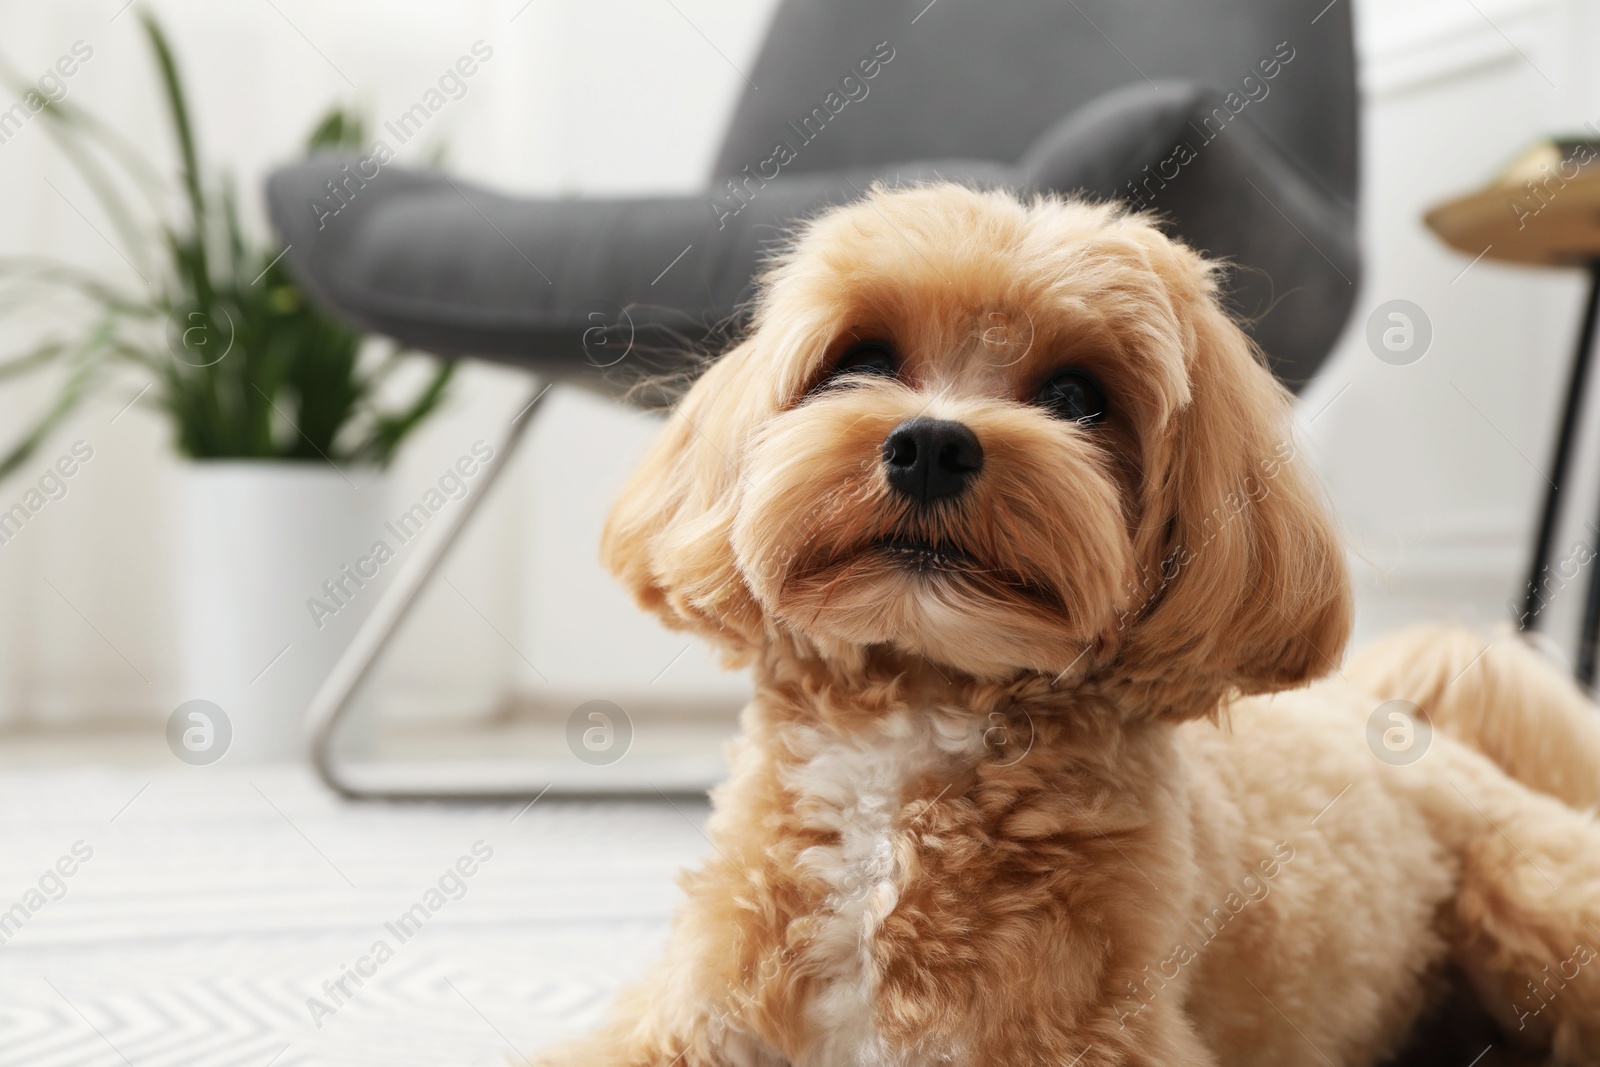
216 902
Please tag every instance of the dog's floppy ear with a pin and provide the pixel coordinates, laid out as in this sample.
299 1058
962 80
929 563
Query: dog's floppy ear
667 538
1253 594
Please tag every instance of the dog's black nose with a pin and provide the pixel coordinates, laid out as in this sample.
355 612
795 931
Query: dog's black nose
928 459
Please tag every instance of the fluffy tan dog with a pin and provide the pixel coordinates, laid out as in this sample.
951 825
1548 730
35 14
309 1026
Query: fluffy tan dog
1004 512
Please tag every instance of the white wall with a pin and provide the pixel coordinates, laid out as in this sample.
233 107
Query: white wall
615 97
1437 467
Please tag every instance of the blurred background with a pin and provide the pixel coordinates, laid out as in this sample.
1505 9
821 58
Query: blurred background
99 654
1436 465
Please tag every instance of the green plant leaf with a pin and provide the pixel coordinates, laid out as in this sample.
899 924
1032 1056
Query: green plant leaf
183 129
242 363
77 387
40 356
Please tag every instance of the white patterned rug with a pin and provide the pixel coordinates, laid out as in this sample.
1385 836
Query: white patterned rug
248 917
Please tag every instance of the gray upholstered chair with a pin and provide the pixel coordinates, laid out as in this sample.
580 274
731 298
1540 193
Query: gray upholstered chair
1234 118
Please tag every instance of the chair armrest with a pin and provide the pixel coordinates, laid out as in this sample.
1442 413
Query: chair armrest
451 267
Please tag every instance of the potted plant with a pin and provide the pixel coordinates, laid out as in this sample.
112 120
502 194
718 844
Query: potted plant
283 417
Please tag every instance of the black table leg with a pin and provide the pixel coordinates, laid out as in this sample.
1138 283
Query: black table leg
1591 629
1533 601
1589 640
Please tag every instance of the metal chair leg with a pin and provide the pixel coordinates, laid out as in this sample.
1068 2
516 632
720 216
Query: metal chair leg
491 780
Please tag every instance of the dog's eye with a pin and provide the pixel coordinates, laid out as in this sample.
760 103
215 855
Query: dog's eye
1073 395
867 358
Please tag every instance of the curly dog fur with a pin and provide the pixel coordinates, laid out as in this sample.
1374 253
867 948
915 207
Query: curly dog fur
1035 772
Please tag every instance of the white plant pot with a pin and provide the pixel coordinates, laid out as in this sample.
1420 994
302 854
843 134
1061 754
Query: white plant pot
260 539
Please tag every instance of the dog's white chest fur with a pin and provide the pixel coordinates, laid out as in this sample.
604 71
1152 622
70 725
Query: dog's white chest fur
854 785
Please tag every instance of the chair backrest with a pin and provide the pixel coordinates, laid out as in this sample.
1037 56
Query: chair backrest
981 79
